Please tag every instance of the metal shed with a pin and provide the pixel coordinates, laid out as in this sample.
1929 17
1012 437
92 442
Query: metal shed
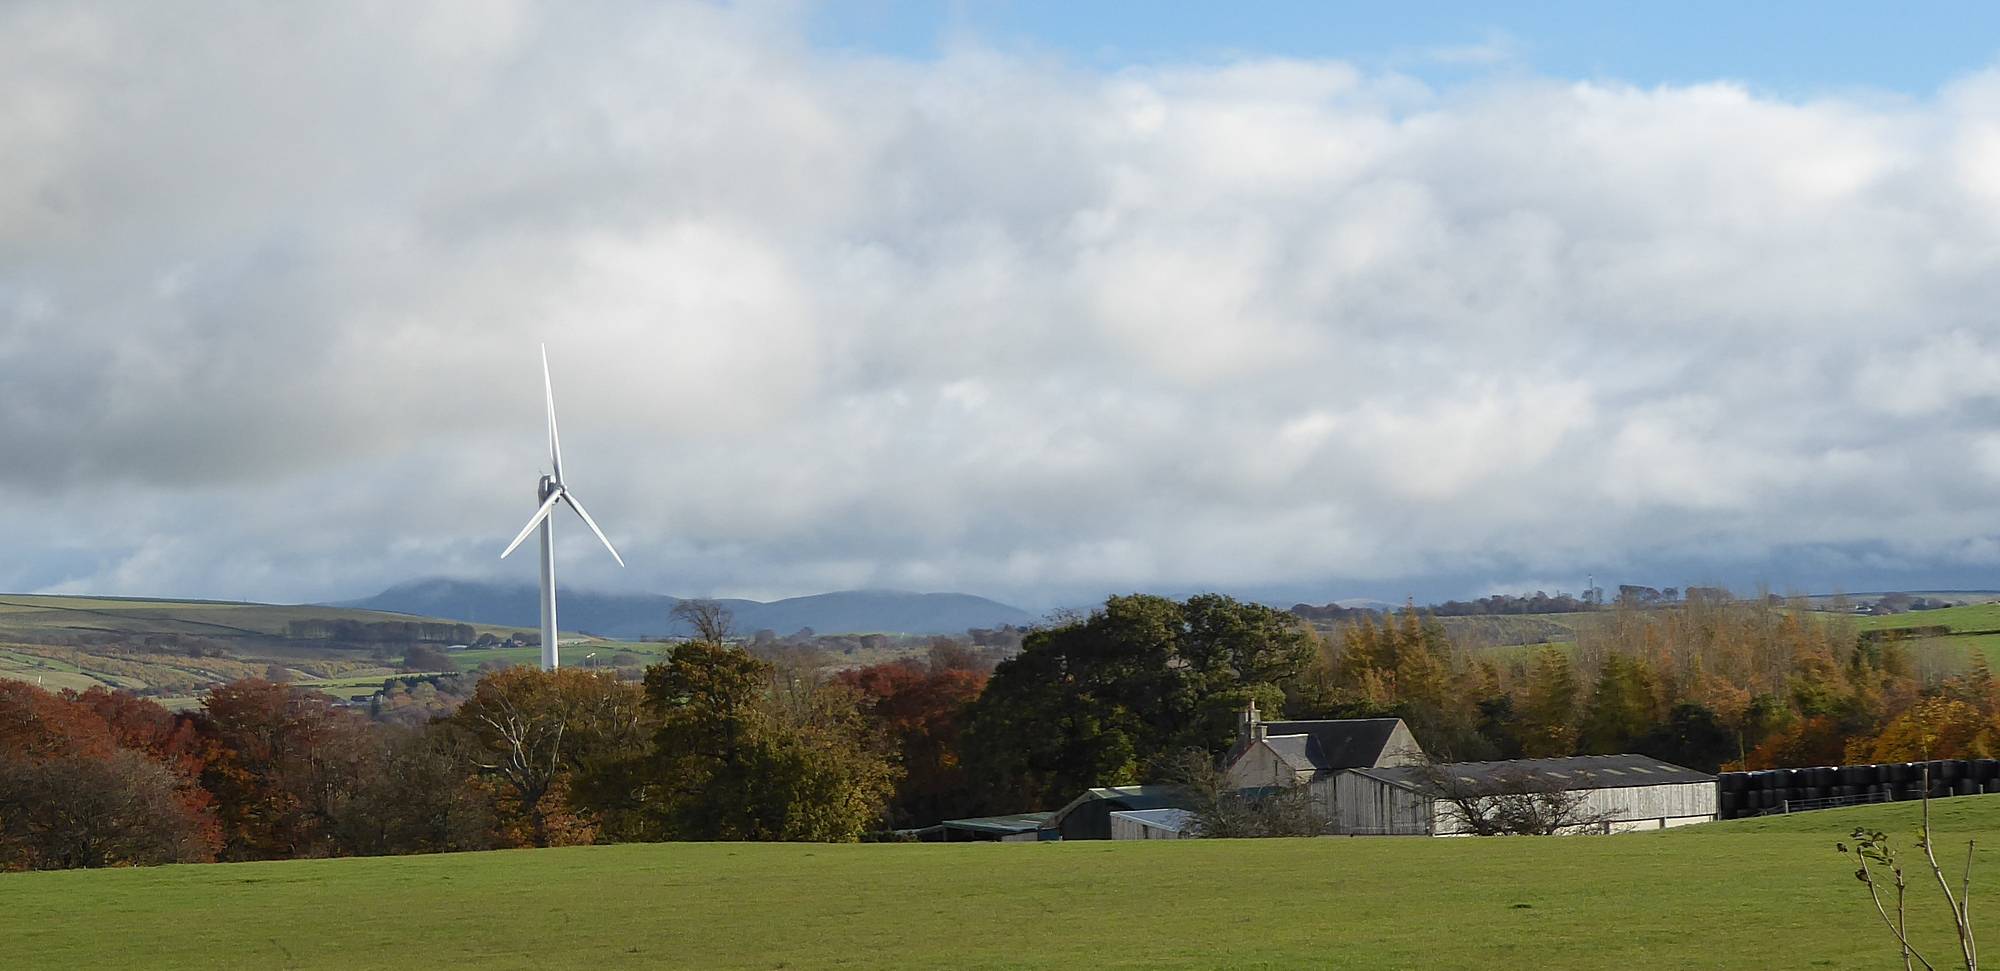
1017 828
1151 824
1636 791
1088 816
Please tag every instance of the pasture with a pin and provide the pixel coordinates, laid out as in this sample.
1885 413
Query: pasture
1968 618
1753 893
142 645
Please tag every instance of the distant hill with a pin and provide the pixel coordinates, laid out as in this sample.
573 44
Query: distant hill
633 615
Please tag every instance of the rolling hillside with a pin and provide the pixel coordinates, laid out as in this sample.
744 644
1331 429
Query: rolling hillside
1765 893
632 616
173 649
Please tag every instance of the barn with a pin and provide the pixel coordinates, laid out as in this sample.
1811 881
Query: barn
1633 792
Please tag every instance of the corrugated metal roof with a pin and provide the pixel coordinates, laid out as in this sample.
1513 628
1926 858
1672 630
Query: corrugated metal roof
1015 823
1124 797
1575 772
1176 820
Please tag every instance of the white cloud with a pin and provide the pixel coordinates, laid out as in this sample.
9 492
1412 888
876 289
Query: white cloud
271 282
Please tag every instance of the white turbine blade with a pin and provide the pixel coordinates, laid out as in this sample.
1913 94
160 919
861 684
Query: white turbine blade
535 520
592 523
555 443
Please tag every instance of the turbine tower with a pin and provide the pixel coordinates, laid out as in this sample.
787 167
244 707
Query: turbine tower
549 492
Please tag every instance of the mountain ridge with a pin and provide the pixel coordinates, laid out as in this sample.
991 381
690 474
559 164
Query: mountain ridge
638 615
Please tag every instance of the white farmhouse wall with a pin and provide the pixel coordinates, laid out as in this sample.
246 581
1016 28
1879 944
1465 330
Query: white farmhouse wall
1258 767
1401 749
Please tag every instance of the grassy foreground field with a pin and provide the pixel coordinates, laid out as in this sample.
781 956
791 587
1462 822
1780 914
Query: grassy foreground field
1755 893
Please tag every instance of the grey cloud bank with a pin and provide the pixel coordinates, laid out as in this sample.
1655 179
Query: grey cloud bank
271 282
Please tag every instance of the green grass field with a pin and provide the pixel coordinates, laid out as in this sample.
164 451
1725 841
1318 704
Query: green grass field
1754 893
1971 617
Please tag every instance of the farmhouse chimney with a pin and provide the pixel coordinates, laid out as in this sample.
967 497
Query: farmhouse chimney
1252 729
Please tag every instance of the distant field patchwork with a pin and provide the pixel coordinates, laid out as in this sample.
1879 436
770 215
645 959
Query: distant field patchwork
175 649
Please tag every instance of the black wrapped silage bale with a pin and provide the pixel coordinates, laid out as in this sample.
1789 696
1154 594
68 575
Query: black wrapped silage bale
1967 787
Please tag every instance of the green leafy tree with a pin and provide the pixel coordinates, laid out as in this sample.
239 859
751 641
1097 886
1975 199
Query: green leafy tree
1623 708
1091 702
730 760
1548 713
1692 736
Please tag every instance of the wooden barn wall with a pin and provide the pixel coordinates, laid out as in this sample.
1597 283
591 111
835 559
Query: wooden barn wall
1363 806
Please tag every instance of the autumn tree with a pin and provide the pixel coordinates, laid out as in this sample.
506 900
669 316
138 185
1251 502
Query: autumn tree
534 731
1935 728
71 795
414 795
921 709
81 810
283 757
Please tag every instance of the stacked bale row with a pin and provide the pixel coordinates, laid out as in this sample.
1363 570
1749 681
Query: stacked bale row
1769 790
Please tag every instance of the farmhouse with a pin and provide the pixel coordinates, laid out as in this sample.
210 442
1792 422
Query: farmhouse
1287 753
1628 792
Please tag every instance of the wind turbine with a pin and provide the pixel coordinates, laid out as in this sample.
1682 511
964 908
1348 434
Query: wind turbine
549 492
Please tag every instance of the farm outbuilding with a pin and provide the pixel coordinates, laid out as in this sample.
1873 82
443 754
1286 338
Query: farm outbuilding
1151 824
1088 816
1017 828
1631 792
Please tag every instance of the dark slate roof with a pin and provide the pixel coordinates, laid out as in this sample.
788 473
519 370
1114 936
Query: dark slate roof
1344 743
1294 750
1576 772
1016 823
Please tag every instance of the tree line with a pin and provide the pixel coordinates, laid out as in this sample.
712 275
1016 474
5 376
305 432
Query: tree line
348 631
723 742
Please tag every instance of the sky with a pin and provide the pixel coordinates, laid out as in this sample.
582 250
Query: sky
1031 300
